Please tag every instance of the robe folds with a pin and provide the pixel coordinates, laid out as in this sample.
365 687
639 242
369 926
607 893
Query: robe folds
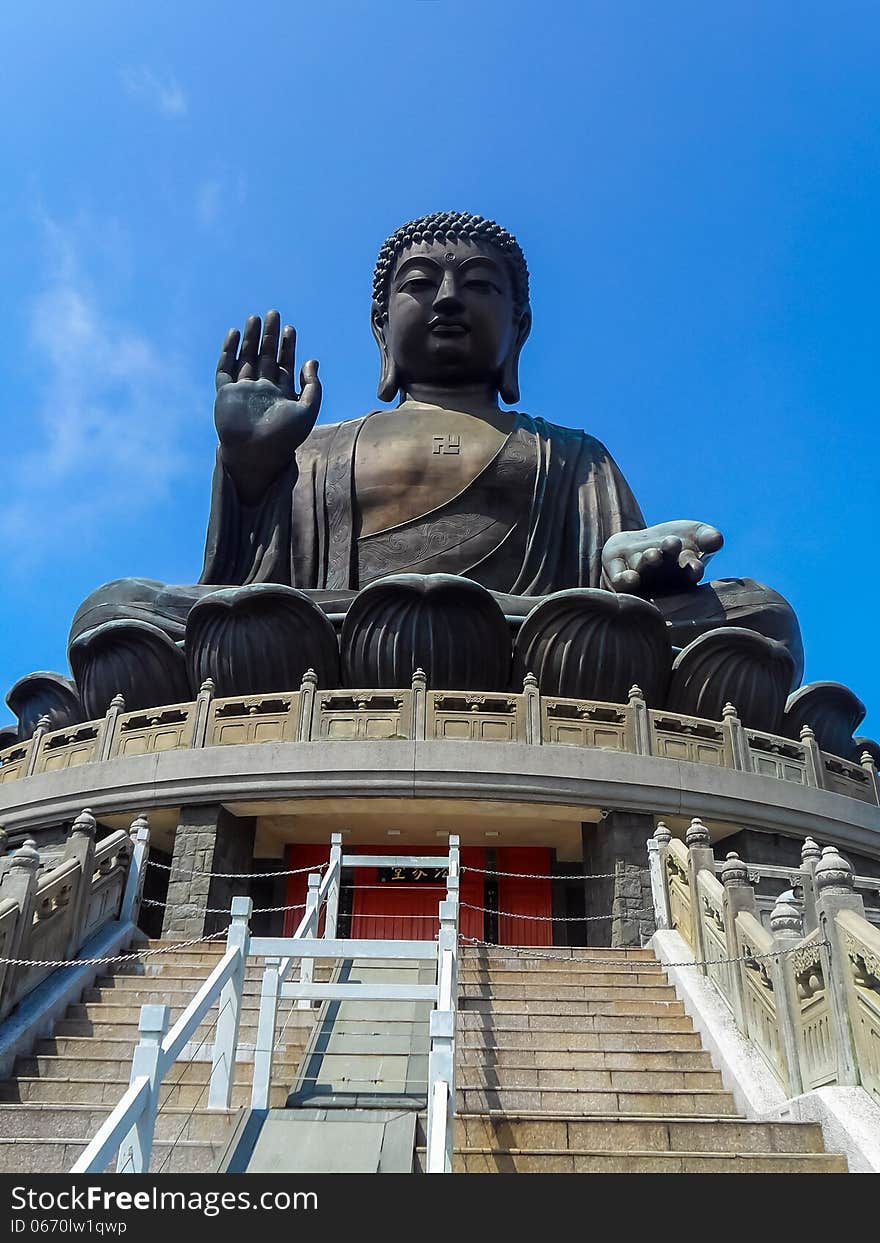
564 497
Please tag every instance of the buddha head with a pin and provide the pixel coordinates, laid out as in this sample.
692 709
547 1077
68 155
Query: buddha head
450 305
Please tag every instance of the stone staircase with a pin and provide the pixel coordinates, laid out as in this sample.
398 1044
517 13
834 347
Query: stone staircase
566 1065
61 1093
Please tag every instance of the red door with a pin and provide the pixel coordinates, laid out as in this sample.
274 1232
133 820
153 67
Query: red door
392 910
524 897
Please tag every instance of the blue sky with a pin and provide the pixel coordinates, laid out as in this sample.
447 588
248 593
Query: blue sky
696 187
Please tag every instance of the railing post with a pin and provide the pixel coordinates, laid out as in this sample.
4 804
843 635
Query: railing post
786 925
867 762
203 713
419 705
265 1047
134 1151
137 871
739 895
835 891
107 735
20 884
659 893
441 1061
43 726
307 691
810 856
80 845
532 694
332 916
226 1031
700 857
815 765
641 722
307 965
735 740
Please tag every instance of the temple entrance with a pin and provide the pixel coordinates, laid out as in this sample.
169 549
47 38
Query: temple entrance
505 894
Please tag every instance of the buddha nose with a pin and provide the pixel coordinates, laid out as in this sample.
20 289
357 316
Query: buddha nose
447 300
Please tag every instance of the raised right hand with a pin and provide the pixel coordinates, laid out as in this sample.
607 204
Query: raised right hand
260 418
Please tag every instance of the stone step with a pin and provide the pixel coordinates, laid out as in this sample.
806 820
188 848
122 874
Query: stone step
565 1041
639 995
294 1041
109 1029
561 1132
72 1121
543 1078
570 1009
529 1058
129 1011
161 990
595 977
574 1101
576 1025
109 1091
56 1156
180 983
580 1161
97 1063
554 953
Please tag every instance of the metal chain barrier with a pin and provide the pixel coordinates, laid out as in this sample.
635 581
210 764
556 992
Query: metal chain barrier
94 962
554 919
535 876
169 867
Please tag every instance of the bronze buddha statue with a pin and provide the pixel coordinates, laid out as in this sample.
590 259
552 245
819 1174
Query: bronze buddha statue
446 486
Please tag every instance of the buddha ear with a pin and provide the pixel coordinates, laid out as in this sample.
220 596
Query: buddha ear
388 378
508 380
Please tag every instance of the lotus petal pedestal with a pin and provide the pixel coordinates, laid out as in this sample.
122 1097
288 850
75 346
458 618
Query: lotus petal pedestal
736 666
130 658
44 694
831 710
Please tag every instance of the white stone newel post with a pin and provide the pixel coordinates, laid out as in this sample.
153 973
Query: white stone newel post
228 1018
332 916
265 1047
204 700
134 1151
532 694
739 895
659 893
419 705
107 734
307 965
835 891
640 721
810 856
137 871
700 857
20 884
735 740
786 925
815 771
441 1061
867 762
36 742
307 691
80 845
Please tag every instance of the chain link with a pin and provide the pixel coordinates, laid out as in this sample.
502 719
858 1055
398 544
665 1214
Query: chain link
535 876
93 962
518 951
557 919
169 867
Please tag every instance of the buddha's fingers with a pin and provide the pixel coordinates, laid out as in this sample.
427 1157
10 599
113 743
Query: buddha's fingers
286 359
250 344
268 363
671 547
226 363
310 386
709 539
692 566
650 559
621 577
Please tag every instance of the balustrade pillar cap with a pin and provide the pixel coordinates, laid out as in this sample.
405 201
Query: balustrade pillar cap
138 825
833 872
810 850
867 760
207 687
786 915
635 692
662 835
530 682
419 675
807 734
734 871
118 701
44 722
729 710
697 833
85 825
27 856
311 677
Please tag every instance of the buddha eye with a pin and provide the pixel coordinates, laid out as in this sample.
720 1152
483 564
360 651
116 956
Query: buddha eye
483 286
414 283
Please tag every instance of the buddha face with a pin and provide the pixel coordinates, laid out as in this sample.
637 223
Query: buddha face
452 318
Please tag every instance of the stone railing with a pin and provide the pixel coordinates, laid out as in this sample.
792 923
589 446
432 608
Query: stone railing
416 713
46 917
810 1003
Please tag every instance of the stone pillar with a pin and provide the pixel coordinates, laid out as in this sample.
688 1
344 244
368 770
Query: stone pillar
617 844
208 839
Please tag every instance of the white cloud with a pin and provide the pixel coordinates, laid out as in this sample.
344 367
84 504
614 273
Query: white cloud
107 431
217 194
165 94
